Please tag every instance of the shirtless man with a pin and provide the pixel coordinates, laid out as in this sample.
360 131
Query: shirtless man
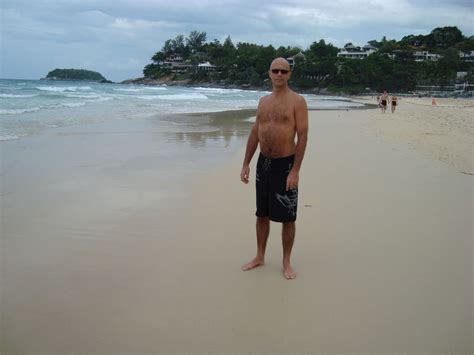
384 101
281 117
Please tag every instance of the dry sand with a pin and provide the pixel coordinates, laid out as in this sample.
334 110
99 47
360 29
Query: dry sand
444 131
97 264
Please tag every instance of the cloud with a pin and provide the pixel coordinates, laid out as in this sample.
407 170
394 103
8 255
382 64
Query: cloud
125 64
117 34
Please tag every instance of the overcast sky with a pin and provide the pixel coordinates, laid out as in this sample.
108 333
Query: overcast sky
118 37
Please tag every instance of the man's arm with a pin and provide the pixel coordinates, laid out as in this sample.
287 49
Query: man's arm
252 144
301 121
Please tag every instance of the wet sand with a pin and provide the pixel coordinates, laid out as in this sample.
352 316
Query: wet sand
103 252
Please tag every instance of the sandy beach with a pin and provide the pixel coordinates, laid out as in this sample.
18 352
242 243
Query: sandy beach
103 252
444 131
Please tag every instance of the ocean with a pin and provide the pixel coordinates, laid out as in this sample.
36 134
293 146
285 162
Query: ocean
28 107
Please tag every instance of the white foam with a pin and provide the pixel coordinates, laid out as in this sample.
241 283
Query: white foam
8 137
70 104
142 88
11 96
181 97
129 90
148 97
84 96
19 111
161 88
63 88
218 90
38 108
102 99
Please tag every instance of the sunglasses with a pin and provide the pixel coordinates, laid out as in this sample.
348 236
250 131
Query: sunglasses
283 71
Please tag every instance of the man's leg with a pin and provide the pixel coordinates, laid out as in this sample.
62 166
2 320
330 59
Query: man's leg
263 230
288 238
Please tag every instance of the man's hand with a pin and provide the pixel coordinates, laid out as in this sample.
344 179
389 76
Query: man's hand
244 174
292 180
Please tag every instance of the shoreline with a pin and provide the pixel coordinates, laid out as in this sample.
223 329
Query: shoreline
200 114
448 139
410 124
314 91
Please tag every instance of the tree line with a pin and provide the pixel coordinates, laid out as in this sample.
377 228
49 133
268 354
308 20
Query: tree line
392 67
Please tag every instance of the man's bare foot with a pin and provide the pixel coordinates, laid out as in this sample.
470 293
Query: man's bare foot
253 264
288 272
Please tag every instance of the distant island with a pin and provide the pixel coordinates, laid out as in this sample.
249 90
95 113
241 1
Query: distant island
76 74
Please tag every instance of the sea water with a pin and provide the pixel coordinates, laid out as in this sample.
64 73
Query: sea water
28 107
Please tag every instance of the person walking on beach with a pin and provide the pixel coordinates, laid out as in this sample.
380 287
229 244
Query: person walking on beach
281 117
384 101
394 101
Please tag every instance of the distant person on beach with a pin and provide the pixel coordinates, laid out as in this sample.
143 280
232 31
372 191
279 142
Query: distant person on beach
384 101
394 101
281 117
433 102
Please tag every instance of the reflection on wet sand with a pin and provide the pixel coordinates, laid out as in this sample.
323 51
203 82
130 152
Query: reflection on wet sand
202 129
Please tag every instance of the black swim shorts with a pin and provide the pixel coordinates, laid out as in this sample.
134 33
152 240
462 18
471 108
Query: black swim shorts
273 200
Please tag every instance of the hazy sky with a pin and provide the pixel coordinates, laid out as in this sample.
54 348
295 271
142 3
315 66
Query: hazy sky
118 37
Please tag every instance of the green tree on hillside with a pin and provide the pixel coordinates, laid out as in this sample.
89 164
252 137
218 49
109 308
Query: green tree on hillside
447 66
322 50
444 37
392 67
195 41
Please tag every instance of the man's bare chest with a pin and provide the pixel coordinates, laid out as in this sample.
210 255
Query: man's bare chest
277 114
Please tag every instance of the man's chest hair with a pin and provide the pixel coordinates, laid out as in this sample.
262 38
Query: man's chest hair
277 112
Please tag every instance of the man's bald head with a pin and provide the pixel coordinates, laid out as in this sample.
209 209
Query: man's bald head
280 63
